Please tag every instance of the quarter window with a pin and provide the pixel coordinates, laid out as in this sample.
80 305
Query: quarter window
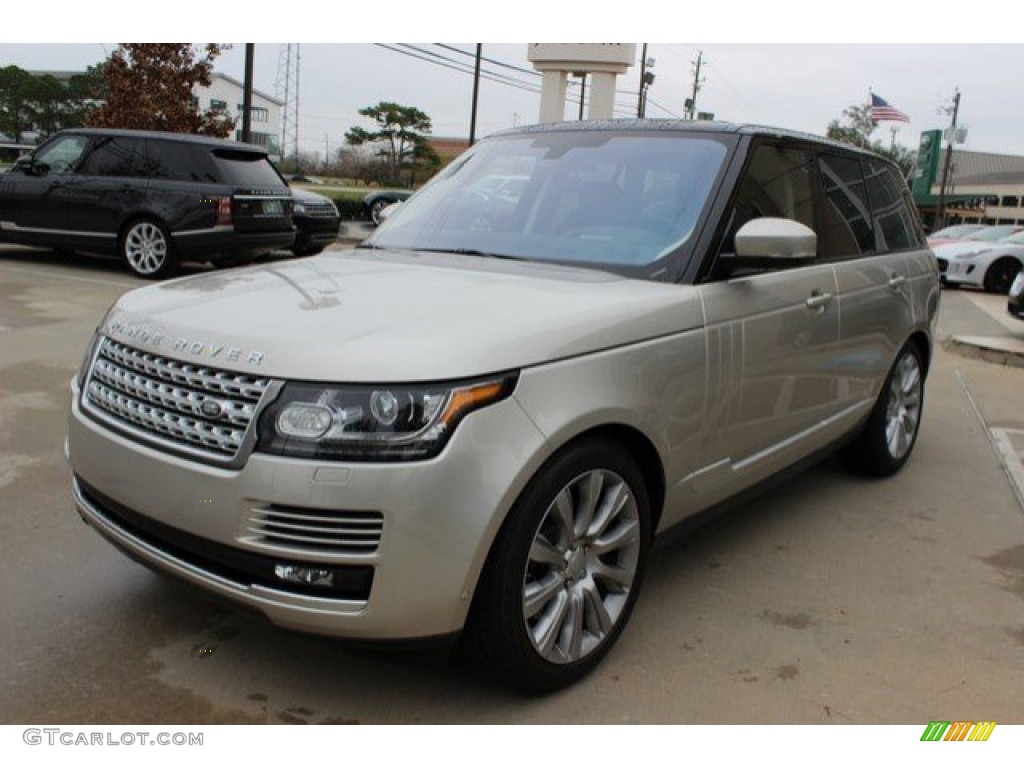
846 229
180 161
894 227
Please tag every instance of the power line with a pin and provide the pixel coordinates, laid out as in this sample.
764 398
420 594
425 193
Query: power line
490 61
433 58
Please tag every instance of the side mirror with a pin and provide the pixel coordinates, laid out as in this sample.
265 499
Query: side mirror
24 164
774 239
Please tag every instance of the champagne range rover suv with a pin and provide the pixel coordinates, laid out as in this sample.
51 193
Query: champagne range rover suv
474 423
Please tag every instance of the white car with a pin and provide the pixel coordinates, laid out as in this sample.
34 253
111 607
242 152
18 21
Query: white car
989 265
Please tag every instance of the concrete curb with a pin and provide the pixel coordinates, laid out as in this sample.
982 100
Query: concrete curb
992 349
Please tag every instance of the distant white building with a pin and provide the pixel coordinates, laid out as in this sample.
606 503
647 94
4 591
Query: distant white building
225 93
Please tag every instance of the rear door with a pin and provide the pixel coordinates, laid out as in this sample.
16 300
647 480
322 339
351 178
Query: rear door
108 185
871 238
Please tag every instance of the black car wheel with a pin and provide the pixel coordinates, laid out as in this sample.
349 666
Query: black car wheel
565 570
148 250
377 206
888 437
1001 274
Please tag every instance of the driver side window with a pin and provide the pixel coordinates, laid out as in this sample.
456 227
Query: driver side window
63 155
777 183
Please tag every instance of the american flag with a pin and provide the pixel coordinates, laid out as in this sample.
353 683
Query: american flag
880 110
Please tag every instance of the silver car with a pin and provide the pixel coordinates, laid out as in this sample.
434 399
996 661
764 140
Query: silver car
475 423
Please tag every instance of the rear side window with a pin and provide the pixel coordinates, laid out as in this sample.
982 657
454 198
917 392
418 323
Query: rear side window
180 161
246 169
119 156
846 229
896 226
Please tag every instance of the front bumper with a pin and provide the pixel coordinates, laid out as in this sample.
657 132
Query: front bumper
966 272
196 521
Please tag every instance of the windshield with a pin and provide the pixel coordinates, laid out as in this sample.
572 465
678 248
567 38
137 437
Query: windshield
600 198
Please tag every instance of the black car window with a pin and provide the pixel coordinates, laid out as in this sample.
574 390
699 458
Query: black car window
114 156
246 169
846 229
179 161
895 225
62 155
775 183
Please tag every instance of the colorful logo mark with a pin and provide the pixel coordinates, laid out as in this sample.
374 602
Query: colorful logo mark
958 730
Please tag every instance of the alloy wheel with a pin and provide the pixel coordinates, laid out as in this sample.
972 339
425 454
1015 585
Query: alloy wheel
903 413
581 567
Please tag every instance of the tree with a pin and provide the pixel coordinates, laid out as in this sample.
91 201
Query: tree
150 86
857 130
400 135
15 109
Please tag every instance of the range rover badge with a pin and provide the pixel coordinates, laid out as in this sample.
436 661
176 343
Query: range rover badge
211 409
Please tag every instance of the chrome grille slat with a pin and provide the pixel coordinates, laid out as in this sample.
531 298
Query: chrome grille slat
340 532
163 398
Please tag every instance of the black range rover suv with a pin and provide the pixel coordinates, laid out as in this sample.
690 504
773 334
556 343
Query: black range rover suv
151 198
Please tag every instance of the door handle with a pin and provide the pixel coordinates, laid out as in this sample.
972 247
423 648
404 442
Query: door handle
819 300
896 282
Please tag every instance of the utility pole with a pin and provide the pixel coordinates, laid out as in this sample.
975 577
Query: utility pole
327 152
643 82
583 91
691 103
940 211
247 94
476 93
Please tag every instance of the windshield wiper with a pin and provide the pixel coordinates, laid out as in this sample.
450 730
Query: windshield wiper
472 252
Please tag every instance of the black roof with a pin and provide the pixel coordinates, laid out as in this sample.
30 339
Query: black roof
676 125
191 138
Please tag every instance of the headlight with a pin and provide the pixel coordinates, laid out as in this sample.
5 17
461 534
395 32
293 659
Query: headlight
298 207
372 423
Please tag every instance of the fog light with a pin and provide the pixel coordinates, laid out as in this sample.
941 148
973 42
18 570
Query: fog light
296 574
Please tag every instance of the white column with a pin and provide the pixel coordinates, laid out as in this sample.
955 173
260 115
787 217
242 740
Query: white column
552 97
602 96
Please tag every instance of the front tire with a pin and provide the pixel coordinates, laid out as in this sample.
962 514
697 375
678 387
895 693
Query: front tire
1000 275
565 570
889 436
148 250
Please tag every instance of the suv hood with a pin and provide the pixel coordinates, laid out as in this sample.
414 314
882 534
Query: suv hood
377 316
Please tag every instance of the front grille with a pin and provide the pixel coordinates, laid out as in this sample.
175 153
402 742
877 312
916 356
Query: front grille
162 399
321 530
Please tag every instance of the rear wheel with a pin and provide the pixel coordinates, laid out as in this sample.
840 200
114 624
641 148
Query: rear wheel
565 570
1001 274
888 438
148 250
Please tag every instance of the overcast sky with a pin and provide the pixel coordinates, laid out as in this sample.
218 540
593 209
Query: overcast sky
798 85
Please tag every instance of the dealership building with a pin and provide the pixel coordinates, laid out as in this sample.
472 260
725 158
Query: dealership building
981 187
